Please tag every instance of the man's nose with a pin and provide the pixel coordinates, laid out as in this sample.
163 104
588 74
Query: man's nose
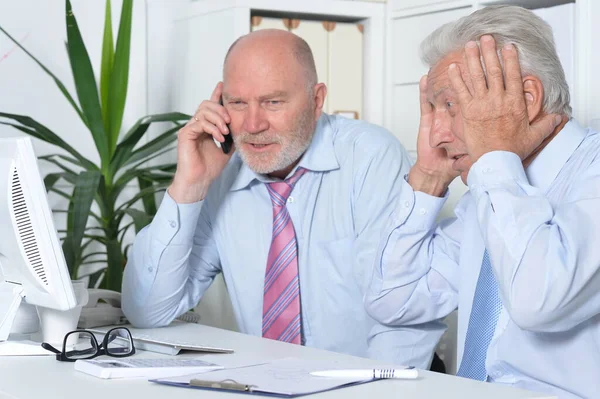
441 132
255 120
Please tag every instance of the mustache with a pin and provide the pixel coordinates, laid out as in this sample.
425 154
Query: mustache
257 138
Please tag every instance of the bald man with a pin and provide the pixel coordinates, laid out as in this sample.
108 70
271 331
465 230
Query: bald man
291 217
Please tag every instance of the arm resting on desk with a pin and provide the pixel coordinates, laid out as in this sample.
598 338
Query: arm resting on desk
172 263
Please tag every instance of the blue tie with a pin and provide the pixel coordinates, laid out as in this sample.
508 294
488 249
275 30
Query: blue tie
482 323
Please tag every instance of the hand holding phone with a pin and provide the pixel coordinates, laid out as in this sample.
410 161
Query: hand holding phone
199 161
226 145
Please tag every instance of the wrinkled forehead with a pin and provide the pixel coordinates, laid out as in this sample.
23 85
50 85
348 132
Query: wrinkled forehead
438 80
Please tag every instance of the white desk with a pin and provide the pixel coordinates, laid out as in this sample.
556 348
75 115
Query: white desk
44 377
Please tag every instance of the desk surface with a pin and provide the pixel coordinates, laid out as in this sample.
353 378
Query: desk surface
44 377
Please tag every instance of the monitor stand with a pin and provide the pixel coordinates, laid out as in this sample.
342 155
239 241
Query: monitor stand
11 296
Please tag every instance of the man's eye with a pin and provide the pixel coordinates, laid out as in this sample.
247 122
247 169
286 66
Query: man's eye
274 102
449 104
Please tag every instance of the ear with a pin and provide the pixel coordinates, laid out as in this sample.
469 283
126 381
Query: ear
319 94
533 91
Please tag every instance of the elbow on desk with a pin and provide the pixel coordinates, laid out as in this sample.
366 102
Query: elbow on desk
142 316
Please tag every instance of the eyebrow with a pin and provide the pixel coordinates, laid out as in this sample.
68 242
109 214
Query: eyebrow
278 93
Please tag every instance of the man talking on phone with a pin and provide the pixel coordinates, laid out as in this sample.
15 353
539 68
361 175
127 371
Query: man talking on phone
291 216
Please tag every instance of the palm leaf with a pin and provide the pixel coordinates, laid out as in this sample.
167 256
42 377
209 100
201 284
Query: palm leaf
60 85
133 136
108 56
148 201
117 93
39 131
85 84
155 145
140 219
86 186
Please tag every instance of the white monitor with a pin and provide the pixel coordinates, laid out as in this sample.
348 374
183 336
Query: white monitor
31 258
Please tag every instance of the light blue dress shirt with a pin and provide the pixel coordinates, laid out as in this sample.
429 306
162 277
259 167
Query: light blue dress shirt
338 208
541 228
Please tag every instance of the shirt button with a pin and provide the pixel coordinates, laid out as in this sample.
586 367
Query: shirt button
150 269
172 223
487 170
422 211
473 186
406 204
290 200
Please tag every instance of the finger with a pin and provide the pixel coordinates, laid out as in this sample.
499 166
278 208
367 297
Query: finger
217 92
204 126
210 108
216 117
512 70
493 70
458 84
425 104
542 128
475 69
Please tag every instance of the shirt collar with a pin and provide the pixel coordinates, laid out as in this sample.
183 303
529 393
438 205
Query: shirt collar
545 167
319 157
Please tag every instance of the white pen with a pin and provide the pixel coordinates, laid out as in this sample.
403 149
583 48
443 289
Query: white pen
408 373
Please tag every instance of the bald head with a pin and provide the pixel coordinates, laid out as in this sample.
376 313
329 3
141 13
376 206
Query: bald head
278 46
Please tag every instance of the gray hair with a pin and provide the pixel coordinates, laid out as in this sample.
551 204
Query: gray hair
531 35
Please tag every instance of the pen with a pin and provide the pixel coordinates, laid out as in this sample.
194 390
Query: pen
226 384
408 373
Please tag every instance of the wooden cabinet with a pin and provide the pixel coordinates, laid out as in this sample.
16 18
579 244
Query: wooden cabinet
338 51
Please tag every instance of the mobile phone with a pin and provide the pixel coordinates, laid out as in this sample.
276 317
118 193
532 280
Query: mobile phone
226 145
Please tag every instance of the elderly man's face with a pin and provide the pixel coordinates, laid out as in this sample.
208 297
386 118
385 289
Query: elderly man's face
272 110
447 127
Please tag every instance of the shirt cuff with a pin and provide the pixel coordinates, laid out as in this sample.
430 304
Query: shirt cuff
416 209
493 170
175 223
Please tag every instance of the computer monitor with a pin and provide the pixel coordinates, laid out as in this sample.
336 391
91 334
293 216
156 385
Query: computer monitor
31 258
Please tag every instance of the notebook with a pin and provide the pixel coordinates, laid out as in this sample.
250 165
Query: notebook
162 340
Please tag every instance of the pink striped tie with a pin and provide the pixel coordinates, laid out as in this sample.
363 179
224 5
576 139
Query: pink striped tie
281 305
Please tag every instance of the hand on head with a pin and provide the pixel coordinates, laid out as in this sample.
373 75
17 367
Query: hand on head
469 109
497 112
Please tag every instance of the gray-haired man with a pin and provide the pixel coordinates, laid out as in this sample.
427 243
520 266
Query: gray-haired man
518 259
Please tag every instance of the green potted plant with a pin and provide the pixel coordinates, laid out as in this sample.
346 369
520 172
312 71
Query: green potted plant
123 159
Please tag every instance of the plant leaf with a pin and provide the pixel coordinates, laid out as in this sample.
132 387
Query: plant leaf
64 157
140 219
108 56
60 85
148 190
117 93
85 84
155 145
86 186
116 263
41 132
50 180
133 136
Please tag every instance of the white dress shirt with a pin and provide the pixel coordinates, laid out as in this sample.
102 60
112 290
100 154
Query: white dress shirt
338 208
541 228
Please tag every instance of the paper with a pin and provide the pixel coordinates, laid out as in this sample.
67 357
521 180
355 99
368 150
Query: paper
288 377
